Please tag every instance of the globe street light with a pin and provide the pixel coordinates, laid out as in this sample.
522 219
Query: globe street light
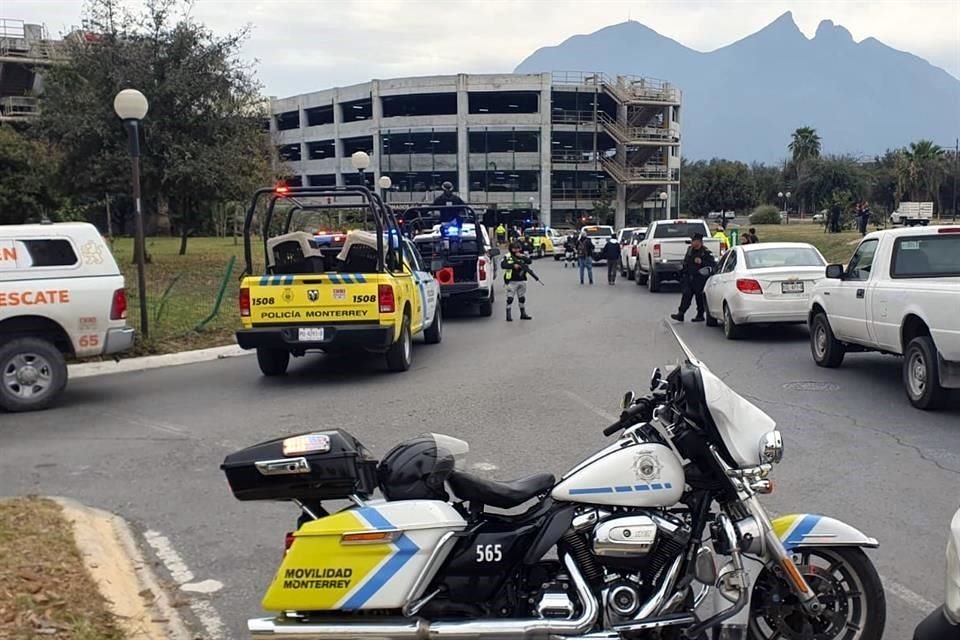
131 106
360 161
663 202
385 183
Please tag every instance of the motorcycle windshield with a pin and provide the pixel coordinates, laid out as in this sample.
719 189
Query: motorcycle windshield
452 448
740 424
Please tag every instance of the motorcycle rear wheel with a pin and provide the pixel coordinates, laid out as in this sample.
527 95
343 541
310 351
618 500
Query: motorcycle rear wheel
848 587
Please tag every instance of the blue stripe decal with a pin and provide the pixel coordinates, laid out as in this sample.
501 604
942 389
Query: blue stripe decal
289 280
406 549
334 278
800 531
622 489
264 281
583 492
346 278
360 278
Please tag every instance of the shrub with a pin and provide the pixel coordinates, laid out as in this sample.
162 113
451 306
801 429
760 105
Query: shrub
765 214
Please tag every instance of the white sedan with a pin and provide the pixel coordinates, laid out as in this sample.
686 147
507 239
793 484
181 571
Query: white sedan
763 283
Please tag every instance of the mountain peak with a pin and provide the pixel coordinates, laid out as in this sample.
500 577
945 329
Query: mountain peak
827 30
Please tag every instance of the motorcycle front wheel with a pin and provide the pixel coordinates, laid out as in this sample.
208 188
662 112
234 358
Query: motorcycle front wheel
845 581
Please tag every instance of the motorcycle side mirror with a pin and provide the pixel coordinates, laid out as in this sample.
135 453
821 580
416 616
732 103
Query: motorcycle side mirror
705 566
655 379
628 399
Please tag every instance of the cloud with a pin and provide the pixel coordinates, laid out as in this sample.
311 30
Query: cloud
307 45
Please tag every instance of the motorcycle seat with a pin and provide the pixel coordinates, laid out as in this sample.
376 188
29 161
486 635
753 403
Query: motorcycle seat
503 495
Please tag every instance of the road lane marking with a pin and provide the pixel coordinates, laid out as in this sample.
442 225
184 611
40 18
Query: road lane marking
912 598
587 405
485 466
181 574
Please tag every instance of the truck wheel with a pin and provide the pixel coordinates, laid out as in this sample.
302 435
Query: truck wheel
556 258
638 276
33 374
400 353
273 362
826 349
630 273
653 281
434 334
486 307
921 374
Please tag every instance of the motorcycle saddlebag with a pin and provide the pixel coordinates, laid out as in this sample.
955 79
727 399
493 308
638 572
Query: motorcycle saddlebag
320 465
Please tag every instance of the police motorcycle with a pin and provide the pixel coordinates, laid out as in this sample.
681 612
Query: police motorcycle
659 535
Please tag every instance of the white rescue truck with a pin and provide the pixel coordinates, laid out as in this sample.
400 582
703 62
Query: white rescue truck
61 296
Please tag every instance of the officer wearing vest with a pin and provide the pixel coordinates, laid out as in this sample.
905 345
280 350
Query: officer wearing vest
515 277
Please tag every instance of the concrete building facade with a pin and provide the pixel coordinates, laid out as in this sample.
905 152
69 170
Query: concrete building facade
25 51
561 144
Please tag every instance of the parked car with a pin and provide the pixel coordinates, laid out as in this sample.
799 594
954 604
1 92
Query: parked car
661 252
629 252
598 234
544 240
717 216
763 283
913 213
61 296
899 294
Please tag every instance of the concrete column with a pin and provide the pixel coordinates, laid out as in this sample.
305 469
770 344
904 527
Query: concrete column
376 118
274 138
620 216
337 144
463 165
546 148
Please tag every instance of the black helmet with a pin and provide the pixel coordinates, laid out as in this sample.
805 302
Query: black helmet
416 470
447 186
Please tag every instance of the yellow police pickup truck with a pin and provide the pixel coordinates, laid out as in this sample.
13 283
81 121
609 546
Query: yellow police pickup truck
365 288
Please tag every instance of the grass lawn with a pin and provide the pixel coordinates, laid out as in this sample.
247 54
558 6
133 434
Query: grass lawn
193 281
45 591
835 247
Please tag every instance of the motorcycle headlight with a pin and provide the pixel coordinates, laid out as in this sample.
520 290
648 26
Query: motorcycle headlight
771 447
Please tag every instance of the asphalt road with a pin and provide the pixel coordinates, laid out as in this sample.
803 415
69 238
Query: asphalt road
529 396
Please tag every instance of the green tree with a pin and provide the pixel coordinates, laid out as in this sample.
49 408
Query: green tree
835 179
202 142
721 185
28 170
804 147
921 172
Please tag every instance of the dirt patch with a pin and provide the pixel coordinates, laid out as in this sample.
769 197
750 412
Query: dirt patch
45 589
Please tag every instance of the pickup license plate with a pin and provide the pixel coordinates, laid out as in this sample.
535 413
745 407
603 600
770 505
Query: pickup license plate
787 287
310 334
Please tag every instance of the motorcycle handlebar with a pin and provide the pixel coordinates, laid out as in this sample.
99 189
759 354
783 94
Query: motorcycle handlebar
641 410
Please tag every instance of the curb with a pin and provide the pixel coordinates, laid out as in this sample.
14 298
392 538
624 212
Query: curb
132 592
89 369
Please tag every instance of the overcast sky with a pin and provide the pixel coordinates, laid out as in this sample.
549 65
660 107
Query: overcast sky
304 46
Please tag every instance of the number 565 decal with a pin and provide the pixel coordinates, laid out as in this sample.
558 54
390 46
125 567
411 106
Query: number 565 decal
489 553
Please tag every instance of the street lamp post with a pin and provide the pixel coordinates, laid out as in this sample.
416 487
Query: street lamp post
385 183
360 161
784 201
663 204
131 106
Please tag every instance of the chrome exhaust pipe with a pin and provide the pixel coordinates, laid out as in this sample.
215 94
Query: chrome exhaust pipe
528 629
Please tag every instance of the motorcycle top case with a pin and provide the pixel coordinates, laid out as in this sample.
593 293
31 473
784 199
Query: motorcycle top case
320 465
361 558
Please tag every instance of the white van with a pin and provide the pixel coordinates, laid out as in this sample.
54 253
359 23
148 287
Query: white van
61 296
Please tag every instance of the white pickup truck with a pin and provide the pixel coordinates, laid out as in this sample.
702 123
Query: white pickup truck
899 295
664 247
61 296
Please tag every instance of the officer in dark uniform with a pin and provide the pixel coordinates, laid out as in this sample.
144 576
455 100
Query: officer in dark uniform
448 197
696 265
515 277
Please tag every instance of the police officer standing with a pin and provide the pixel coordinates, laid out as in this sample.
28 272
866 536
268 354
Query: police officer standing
515 277
698 258
448 197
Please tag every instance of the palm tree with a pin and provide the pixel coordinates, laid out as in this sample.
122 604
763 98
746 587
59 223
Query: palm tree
804 147
921 170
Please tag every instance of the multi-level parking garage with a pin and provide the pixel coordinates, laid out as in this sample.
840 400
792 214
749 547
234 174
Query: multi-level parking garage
562 143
